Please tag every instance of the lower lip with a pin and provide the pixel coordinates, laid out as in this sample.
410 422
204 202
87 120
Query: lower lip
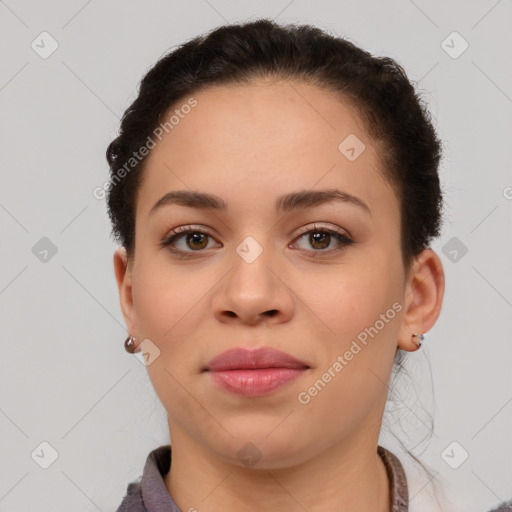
256 382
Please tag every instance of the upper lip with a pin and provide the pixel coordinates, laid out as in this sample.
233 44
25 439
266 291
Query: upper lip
242 359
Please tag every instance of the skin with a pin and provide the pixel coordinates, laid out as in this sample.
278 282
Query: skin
248 145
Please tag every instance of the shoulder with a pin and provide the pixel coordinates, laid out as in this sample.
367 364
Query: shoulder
132 501
148 493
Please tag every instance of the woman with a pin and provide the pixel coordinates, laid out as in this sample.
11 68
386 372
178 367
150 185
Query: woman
274 190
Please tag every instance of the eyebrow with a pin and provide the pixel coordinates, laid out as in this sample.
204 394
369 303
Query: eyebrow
285 203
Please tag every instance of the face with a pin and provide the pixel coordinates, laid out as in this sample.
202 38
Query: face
317 277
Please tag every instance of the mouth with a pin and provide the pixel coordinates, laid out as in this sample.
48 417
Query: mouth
256 359
254 372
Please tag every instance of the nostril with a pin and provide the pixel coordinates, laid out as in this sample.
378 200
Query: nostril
272 312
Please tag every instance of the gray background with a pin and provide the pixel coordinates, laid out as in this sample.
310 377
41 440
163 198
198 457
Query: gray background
65 377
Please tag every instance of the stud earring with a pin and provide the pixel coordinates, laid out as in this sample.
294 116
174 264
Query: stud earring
129 345
420 341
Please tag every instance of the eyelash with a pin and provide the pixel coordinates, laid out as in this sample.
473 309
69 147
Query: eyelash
176 233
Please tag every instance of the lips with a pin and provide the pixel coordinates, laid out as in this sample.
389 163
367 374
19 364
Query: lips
253 373
244 359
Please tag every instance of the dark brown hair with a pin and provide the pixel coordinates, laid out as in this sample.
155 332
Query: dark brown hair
393 113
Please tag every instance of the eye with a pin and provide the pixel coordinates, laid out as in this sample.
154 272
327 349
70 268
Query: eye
322 238
190 237
194 239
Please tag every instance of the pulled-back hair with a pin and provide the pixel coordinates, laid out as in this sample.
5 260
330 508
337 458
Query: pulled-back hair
393 113
396 120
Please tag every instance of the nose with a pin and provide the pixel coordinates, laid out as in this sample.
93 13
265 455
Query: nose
253 293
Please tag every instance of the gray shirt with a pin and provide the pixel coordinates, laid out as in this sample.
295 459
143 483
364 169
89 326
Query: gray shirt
149 493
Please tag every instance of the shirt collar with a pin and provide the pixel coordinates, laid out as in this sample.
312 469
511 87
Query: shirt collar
398 491
156 498
155 495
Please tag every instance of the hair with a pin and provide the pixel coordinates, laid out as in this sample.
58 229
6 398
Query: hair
393 113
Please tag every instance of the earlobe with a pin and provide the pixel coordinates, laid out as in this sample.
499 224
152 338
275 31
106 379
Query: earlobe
423 299
123 271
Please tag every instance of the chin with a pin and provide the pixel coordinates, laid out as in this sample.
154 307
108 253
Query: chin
263 448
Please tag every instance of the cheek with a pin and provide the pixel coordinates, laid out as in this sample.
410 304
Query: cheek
156 306
165 302
349 301
169 308
350 398
354 375
360 317
166 316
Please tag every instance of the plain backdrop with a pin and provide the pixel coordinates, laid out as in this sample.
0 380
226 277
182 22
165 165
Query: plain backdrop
66 380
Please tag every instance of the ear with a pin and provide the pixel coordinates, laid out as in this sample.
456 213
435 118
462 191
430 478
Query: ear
123 270
423 298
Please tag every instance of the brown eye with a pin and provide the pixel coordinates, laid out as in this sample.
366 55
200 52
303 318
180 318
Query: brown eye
323 241
197 240
186 240
319 239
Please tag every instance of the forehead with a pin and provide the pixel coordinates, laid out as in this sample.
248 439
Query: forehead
253 139
293 111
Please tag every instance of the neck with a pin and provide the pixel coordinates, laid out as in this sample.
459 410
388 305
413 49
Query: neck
350 475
